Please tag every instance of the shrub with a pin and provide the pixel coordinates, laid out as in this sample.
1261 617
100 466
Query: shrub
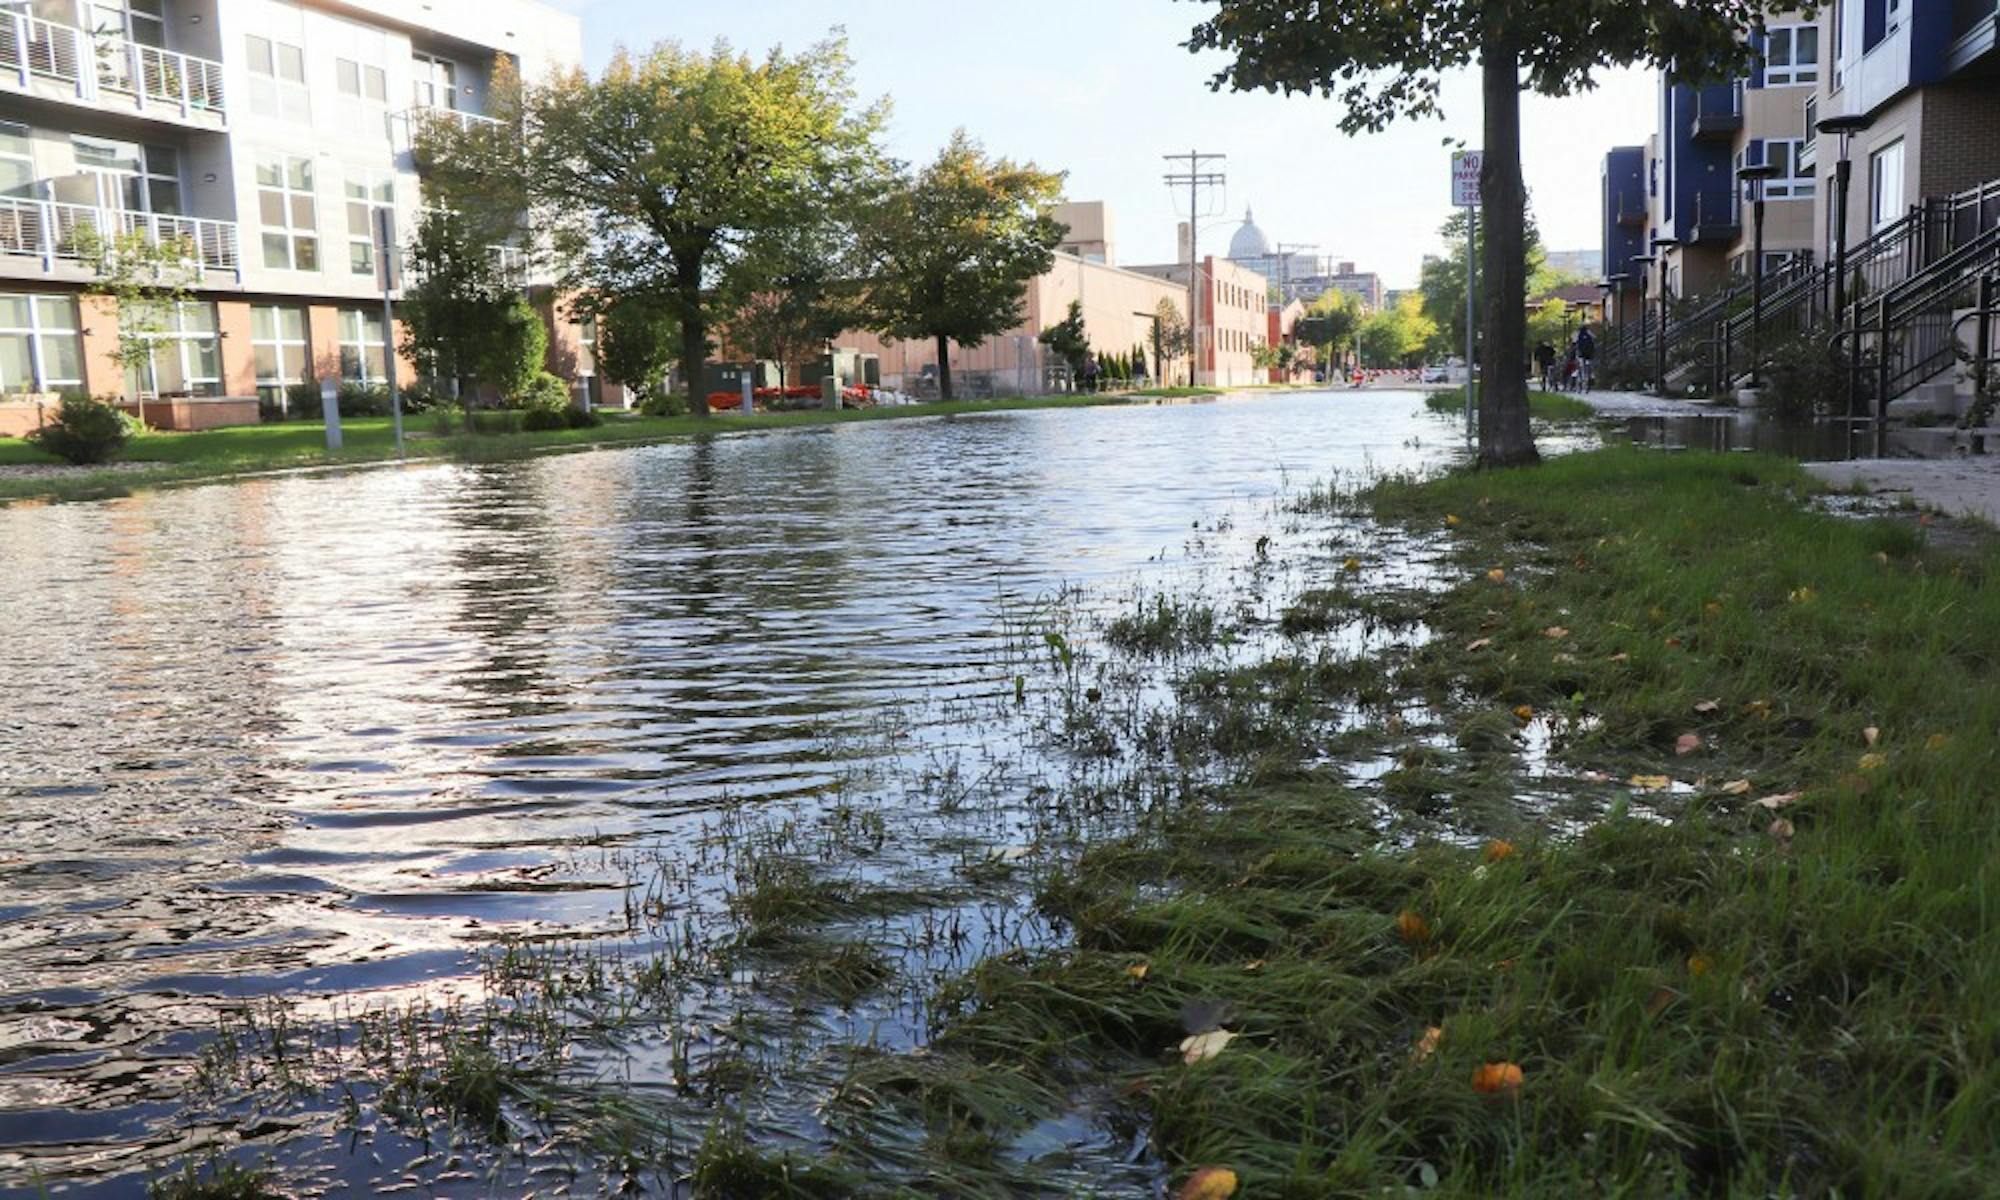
1804 376
85 431
543 391
542 420
663 404
580 419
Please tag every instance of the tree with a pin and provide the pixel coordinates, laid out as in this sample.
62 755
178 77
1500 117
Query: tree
1395 337
460 321
810 285
953 249
1171 336
147 281
1385 61
1330 323
663 179
635 342
1068 339
1442 283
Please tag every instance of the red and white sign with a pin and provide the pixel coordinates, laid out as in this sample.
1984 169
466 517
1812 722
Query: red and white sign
1465 167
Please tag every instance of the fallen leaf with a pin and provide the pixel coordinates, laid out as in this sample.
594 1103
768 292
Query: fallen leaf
1700 965
1781 800
1621 657
1673 643
1661 999
1496 1078
1555 633
1427 1045
1352 565
1782 829
1687 744
1209 1183
1802 595
1872 762
1413 927
1481 644
1497 850
1736 787
1651 783
1760 709
1523 712
1871 735
1202 1046
1705 707
1451 520
1937 741
1137 970
1656 614
1504 965
1497 575
1712 609
1255 964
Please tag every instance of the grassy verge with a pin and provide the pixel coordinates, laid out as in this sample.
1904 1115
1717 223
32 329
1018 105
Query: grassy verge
244 449
1178 393
1543 406
1762 964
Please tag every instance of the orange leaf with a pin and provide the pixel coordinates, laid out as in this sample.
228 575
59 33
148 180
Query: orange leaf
1497 850
1497 575
1496 1078
1413 927
1524 712
1700 965
1660 1000
1209 1183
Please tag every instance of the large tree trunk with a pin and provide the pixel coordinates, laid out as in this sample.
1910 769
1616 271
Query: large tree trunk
694 355
1505 439
944 367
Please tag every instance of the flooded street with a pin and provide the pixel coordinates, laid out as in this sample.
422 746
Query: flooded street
333 738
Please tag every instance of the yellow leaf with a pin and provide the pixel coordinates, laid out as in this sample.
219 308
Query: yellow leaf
1651 783
1802 595
1209 1183
1524 712
1202 1046
1937 741
1872 762
1712 608
1451 520
1497 575
1700 964
1496 1078
1497 850
1687 744
1736 787
1427 1045
1353 565
1137 970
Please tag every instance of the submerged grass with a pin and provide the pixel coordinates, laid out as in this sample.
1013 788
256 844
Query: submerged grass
1703 993
1542 406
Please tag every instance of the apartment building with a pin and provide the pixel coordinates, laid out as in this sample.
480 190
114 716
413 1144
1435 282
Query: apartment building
269 135
1234 305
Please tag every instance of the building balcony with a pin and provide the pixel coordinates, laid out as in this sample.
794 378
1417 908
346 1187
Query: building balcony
1717 123
1975 32
61 62
60 237
1631 218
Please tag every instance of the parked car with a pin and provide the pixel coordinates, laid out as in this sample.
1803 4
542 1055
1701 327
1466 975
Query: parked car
1436 374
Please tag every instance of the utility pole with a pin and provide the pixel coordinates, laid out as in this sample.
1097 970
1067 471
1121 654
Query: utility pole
1196 177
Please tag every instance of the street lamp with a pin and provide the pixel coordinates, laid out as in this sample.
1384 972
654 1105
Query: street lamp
1661 245
1755 177
1614 287
1844 128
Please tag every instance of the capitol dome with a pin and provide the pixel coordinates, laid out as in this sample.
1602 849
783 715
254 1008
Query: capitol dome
1249 242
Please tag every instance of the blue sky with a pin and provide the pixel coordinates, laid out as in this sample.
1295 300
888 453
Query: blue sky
1101 89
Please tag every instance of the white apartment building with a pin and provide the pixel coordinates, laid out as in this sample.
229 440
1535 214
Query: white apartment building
268 133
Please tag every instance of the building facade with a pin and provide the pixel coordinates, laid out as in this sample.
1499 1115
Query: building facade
270 135
1234 304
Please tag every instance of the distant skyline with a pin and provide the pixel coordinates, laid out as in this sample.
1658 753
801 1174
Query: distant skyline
1101 90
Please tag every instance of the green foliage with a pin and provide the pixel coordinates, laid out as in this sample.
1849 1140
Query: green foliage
542 420
668 175
458 312
1805 377
664 404
635 343
954 247
512 360
1330 323
1068 337
147 281
85 431
542 392
223 1180
1395 337
1442 283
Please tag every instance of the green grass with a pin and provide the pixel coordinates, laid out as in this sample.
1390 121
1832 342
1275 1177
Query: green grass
250 448
1179 393
1702 1002
1543 406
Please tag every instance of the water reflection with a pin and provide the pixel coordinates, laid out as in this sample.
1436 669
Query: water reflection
1807 441
329 736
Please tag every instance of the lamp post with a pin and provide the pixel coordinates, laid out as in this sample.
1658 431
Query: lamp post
1754 177
1614 287
1641 263
1844 128
1661 245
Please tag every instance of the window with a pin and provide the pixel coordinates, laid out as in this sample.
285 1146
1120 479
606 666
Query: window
39 347
366 194
285 207
364 346
182 358
130 177
1791 55
141 21
1793 181
1885 185
436 81
361 80
17 163
278 80
278 347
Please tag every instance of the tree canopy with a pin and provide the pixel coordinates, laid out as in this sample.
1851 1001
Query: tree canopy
952 249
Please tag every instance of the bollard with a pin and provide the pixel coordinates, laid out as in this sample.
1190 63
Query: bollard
329 406
748 389
832 391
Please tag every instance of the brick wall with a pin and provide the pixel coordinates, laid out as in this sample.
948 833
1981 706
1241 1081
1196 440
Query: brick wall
1961 140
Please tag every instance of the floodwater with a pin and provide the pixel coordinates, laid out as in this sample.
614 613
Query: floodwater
333 737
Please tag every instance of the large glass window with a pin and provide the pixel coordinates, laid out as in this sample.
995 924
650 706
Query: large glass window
279 348
17 162
182 358
1885 185
40 350
130 177
1791 55
278 80
364 346
367 193
1792 182
287 212
361 80
436 83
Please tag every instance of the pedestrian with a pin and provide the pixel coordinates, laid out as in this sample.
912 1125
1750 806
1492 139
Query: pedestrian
1545 358
1089 372
1586 356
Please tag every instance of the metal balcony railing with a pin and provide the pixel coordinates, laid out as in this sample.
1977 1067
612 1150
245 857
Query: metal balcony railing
53 232
31 47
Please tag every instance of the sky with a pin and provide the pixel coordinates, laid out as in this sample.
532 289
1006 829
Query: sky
1102 89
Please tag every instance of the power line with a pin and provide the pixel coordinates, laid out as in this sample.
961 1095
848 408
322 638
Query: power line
1197 176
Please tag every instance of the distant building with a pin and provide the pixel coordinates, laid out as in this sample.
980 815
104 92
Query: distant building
1587 263
1295 275
1234 303
1090 237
